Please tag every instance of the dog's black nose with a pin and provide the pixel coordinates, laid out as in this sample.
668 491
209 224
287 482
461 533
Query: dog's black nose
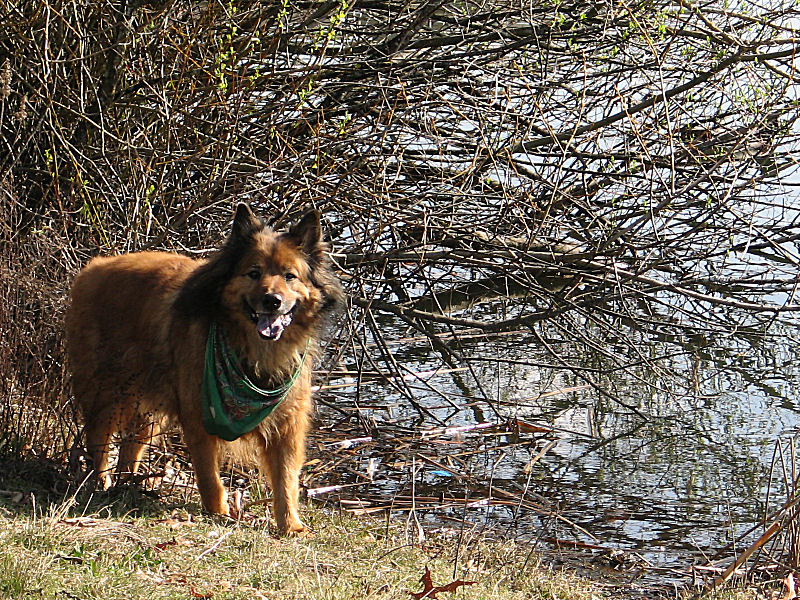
272 302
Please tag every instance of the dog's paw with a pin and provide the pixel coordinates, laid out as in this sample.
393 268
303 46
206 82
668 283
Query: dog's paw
222 512
298 531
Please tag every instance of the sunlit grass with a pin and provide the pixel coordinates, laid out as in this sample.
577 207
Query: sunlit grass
129 543
177 556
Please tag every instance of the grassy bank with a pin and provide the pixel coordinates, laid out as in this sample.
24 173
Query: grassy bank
129 544
125 545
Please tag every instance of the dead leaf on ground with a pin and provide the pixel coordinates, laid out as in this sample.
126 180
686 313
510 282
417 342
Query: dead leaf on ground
430 591
195 594
174 522
163 545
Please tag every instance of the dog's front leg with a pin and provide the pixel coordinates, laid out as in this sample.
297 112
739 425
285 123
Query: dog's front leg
204 450
282 457
284 475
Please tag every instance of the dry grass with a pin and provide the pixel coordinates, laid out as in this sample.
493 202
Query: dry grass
178 556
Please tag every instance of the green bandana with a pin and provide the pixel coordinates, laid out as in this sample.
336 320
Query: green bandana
232 404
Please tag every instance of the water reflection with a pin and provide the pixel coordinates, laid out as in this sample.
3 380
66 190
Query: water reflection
661 444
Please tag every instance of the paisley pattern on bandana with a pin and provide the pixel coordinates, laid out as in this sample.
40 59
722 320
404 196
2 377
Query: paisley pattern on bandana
232 404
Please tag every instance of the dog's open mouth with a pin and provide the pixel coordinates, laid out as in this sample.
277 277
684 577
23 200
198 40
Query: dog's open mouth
270 326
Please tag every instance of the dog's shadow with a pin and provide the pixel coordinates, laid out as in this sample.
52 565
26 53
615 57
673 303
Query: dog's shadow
32 486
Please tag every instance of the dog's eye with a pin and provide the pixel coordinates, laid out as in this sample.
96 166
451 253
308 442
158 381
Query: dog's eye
289 276
254 274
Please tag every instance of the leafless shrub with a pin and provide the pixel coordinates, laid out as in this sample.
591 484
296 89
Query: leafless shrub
594 172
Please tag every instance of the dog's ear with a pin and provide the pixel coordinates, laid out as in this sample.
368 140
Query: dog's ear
307 233
245 223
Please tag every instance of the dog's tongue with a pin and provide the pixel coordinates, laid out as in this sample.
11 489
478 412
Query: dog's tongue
270 326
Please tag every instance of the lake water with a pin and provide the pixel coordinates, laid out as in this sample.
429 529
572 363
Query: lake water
667 453
639 418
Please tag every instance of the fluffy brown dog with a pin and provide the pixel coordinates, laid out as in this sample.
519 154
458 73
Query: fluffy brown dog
138 343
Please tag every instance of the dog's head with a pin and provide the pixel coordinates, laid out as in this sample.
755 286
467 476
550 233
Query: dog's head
270 281
276 281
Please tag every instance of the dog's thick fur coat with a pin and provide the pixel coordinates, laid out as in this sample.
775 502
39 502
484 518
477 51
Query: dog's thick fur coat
136 335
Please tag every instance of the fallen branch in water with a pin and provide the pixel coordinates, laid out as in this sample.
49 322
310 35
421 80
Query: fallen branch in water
727 573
